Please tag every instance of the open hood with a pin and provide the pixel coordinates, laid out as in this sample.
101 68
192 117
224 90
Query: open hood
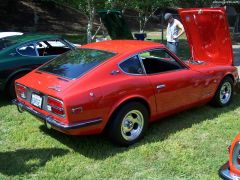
208 34
115 24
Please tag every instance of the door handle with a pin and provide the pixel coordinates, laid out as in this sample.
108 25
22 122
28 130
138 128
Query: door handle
161 86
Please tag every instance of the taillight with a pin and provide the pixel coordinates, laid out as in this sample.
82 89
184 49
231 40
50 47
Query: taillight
21 91
55 106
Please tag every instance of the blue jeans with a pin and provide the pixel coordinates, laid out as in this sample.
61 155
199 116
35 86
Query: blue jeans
173 47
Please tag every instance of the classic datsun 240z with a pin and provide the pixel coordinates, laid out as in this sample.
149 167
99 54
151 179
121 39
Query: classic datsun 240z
120 86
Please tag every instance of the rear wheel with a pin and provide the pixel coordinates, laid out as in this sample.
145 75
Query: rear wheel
128 124
224 93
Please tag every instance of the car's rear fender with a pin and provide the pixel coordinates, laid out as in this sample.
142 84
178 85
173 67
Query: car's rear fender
16 73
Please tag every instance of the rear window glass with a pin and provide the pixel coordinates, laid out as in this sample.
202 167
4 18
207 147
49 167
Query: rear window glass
75 63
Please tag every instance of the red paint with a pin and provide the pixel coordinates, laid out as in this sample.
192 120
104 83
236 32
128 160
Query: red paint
98 93
208 34
232 168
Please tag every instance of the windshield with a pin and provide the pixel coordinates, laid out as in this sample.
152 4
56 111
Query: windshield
4 43
75 63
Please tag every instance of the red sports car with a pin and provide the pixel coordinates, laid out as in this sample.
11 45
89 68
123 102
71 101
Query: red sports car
231 170
120 86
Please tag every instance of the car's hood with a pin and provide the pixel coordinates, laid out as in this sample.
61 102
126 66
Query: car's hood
208 34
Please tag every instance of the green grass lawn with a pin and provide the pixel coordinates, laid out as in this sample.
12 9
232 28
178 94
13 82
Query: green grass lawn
190 145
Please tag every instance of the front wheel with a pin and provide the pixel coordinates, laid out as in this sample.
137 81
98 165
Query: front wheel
224 93
128 124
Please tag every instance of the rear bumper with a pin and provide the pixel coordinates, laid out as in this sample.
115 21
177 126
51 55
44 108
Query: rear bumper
225 173
49 120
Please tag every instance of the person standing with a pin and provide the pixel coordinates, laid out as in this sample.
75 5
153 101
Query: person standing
174 30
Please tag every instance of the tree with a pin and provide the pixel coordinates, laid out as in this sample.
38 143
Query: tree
192 3
88 8
145 8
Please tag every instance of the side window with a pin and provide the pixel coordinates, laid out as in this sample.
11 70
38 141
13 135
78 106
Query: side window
159 60
132 66
27 50
56 43
51 47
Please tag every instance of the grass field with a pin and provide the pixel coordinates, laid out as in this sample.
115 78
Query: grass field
189 145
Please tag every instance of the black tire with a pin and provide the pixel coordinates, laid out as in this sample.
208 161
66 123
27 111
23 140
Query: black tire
224 93
128 113
11 86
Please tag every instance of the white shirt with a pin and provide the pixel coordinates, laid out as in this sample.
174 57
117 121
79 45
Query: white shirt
172 30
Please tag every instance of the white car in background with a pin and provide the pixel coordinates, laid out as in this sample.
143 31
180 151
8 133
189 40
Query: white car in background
7 34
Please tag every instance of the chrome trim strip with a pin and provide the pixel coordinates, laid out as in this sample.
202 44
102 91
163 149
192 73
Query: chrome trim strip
50 120
160 86
141 61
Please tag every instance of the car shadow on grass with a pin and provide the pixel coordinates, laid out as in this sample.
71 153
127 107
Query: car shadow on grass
99 147
94 146
24 161
4 100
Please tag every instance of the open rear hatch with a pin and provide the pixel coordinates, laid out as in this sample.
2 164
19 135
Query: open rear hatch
208 34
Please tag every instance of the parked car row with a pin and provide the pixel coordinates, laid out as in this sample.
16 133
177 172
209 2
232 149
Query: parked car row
20 54
121 86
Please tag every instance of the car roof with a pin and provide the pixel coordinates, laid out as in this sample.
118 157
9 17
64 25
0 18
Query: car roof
32 37
123 46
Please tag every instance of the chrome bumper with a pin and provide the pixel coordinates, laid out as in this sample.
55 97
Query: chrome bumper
224 173
48 120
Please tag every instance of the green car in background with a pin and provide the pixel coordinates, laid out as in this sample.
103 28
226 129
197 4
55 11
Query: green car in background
21 54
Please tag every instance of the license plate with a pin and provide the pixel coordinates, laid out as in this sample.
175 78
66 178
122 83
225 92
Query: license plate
36 100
